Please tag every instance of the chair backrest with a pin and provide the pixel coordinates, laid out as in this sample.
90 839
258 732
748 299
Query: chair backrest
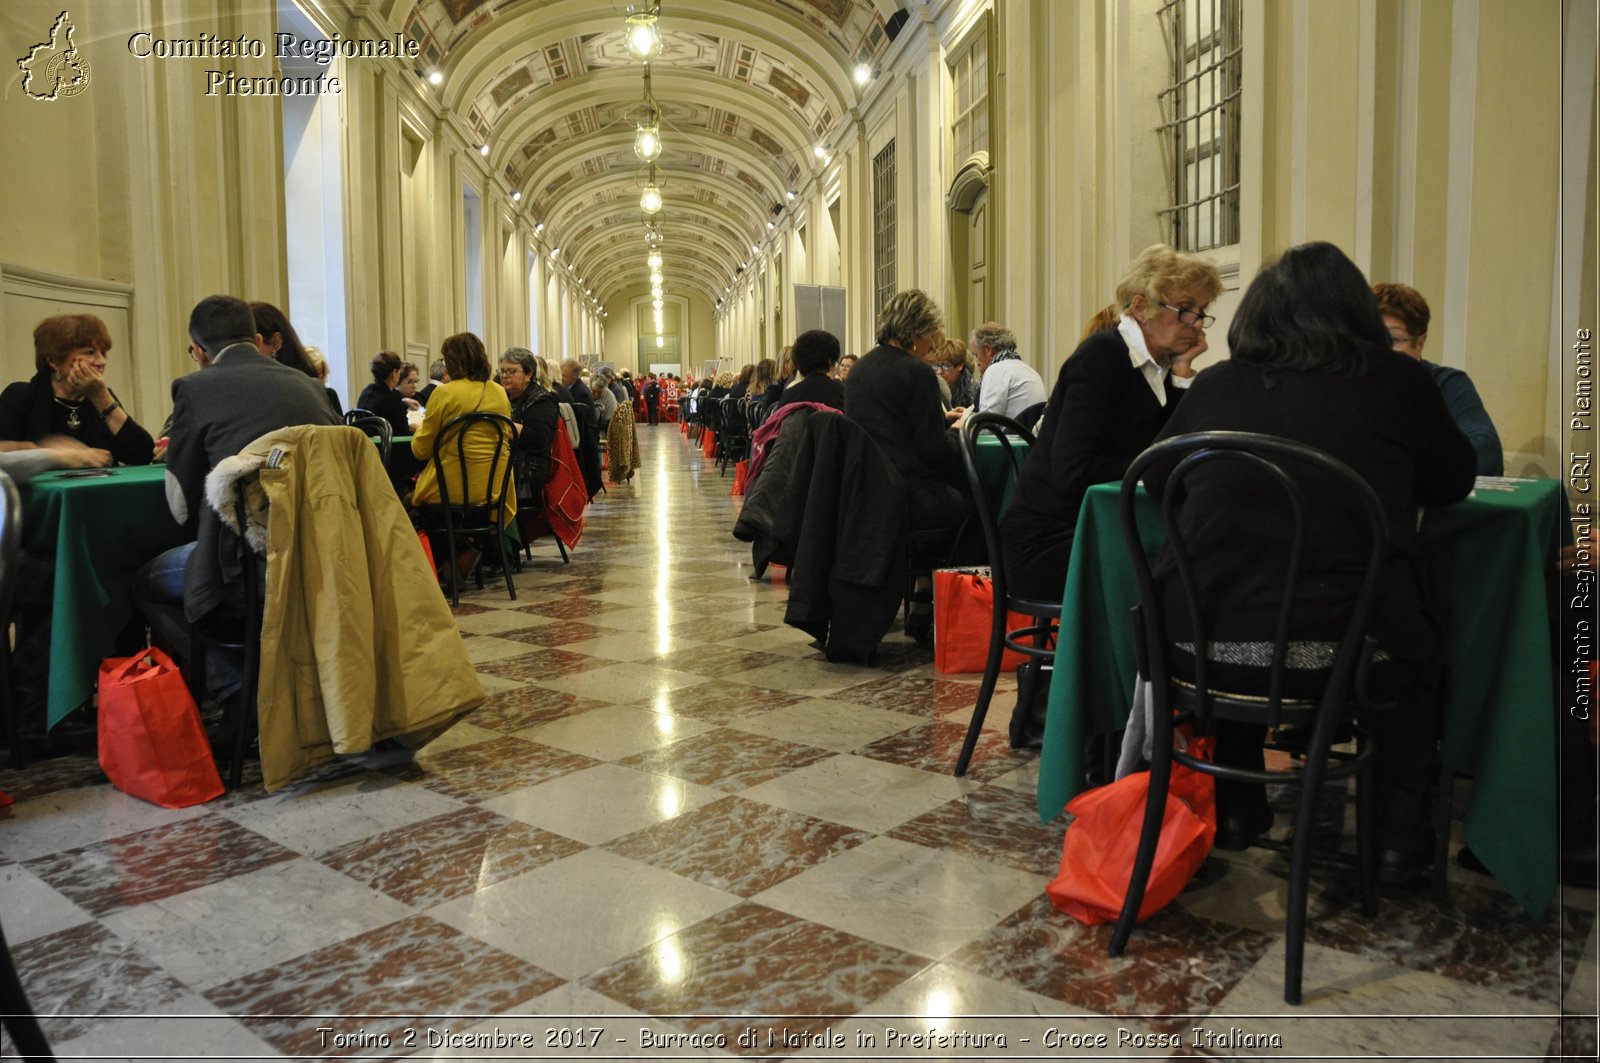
355 413
988 493
1276 469
1029 418
373 425
10 545
454 448
734 422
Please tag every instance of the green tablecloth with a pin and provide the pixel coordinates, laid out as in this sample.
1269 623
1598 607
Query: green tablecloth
101 529
1488 564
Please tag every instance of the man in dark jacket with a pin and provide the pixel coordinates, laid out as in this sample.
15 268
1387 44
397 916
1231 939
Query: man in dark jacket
652 398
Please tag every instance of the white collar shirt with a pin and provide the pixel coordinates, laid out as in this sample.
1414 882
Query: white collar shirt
1154 374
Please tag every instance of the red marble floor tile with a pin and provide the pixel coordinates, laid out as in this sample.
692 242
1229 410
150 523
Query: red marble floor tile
159 862
726 759
487 769
738 846
541 663
513 710
557 634
991 823
448 856
83 971
577 606
771 969
934 747
411 975
718 701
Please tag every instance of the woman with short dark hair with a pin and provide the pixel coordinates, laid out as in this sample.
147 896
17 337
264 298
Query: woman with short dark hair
1312 362
382 397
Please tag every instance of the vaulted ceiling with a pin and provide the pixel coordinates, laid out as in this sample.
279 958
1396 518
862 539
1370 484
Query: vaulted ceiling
745 89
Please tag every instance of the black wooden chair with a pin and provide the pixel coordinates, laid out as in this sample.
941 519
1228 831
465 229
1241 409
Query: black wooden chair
10 555
374 425
480 516
236 628
734 440
989 497
1308 685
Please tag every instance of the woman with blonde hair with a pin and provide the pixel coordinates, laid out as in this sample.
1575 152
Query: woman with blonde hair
1113 396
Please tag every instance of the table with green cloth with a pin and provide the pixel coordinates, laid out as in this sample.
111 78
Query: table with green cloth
100 529
992 464
1489 561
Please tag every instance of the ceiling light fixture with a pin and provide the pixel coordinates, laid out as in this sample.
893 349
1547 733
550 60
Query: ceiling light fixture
863 74
516 197
483 149
644 40
654 261
821 152
435 77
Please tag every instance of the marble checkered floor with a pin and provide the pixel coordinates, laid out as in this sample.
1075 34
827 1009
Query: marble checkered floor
673 820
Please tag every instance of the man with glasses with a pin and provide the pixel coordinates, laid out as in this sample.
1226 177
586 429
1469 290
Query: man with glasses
1405 312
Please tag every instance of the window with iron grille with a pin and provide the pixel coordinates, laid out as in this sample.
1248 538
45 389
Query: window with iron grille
883 225
1200 122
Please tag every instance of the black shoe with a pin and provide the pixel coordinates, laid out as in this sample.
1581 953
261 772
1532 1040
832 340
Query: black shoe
1398 867
1235 834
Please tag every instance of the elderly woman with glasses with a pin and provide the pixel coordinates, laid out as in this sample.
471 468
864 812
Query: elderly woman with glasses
1113 396
958 380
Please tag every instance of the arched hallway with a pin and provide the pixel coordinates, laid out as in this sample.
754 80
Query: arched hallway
672 806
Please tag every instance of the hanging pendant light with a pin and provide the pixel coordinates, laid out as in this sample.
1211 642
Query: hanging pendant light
644 40
647 141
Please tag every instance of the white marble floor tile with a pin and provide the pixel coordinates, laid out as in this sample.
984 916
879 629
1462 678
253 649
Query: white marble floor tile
70 819
622 684
213 934
828 724
189 1029
816 677
926 902
325 818
481 649
568 1031
494 621
858 792
575 915
624 647
614 732
791 642
495 684
601 803
31 908
1355 1007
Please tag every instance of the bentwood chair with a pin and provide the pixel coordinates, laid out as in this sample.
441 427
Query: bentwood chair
1310 685
480 514
10 555
734 442
236 628
374 425
1037 640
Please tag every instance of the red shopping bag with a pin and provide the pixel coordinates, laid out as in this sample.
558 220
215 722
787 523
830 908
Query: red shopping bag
1097 855
708 444
963 610
151 742
741 469
427 552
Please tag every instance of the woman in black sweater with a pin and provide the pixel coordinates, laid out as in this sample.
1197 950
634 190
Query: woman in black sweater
68 399
1312 362
382 397
1114 394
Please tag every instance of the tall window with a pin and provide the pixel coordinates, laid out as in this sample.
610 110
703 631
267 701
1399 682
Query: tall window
1200 121
883 241
969 68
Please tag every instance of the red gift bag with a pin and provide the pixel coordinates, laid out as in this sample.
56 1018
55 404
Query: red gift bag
963 610
741 469
1097 855
151 742
708 444
427 552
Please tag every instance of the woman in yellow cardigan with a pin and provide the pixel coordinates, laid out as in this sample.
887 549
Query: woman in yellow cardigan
468 389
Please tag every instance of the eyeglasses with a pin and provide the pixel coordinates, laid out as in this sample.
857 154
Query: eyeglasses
1190 317
191 352
1401 337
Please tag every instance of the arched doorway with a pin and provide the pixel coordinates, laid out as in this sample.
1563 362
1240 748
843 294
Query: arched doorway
971 299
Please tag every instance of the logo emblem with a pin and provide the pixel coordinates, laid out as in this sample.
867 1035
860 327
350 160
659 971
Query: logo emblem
55 68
